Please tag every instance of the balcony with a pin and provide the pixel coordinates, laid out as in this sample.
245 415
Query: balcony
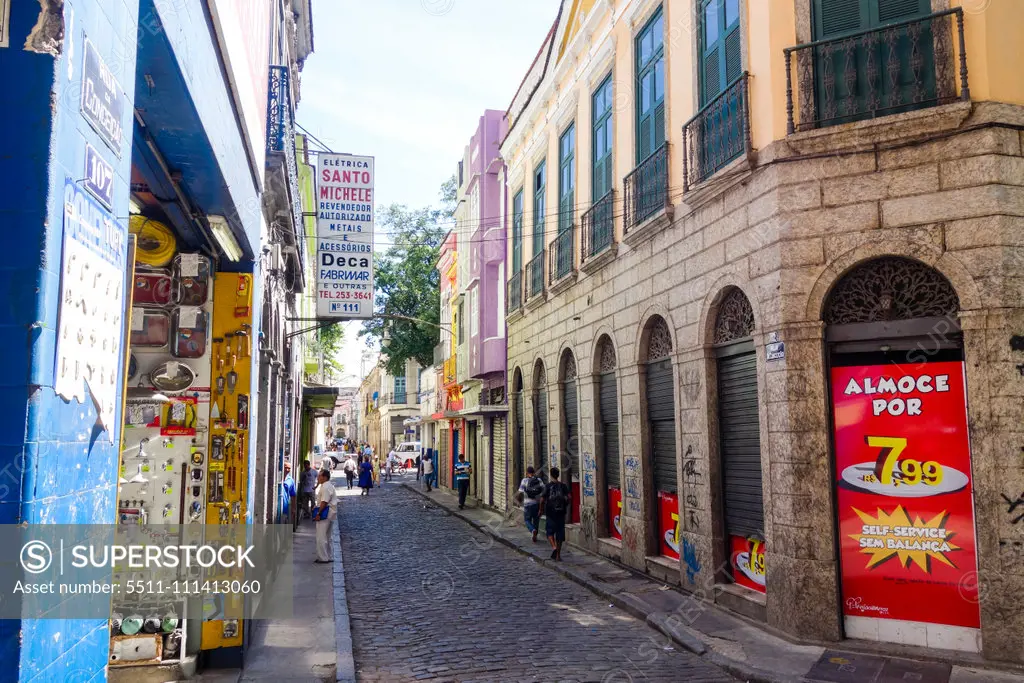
891 69
535 276
718 134
598 228
646 189
562 255
282 177
514 300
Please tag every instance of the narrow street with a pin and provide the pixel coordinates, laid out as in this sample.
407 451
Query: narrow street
431 598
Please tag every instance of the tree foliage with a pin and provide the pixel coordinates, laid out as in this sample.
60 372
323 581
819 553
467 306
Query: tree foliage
325 344
407 281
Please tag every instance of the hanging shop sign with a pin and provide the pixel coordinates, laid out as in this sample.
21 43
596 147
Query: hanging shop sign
344 233
668 524
746 556
906 512
102 101
92 287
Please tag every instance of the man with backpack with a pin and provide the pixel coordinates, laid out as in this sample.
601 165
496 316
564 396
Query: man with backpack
555 506
532 489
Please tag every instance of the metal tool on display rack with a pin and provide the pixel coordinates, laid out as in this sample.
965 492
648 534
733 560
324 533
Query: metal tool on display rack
243 411
232 379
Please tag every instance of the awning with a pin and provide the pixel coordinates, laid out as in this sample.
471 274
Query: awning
319 398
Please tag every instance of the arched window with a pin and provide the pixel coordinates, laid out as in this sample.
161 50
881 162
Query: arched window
739 432
890 288
608 433
661 430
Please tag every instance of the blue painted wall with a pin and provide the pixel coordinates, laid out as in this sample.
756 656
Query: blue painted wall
53 469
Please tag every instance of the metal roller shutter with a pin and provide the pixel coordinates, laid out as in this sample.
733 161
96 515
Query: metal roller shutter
442 464
572 423
540 425
740 444
519 445
609 406
661 413
498 479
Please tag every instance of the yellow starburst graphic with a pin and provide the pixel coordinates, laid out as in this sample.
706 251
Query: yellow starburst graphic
894 535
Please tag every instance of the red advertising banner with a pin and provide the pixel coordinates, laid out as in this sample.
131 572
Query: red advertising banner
746 555
668 524
906 513
615 513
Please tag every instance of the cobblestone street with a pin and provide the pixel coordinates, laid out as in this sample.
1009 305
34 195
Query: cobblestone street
431 598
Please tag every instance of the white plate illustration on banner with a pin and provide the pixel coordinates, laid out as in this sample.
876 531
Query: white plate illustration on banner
743 564
670 538
615 521
862 477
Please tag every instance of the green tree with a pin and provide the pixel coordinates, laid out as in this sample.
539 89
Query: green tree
326 343
407 281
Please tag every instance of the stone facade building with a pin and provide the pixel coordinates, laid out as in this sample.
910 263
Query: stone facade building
729 221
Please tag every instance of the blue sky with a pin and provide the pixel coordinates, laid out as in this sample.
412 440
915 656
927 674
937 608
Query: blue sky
406 81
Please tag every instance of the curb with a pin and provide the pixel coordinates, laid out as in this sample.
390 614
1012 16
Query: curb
656 620
346 664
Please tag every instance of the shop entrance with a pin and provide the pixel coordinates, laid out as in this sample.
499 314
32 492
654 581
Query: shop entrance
902 457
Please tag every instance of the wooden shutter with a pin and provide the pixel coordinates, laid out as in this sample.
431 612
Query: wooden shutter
733 55
661 413
658 120
517 232
740 444
499 486
899 10
608 404
836 17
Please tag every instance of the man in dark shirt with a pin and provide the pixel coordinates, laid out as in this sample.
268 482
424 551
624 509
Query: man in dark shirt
555 505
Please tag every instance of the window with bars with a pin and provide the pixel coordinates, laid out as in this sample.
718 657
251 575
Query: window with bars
517 232
650 87
602 140
540 186
566 178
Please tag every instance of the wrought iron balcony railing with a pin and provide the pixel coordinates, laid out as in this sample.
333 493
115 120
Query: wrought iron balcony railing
281 143
535 276
891 69
562 255
598 231
719 133
646 188
514 300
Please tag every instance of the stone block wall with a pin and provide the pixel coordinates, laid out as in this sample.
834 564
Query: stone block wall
943 186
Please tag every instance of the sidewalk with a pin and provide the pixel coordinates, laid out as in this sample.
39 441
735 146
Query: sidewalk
315 644
743 649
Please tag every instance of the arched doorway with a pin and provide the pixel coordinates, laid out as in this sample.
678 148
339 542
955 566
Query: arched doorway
540 415
518 430
902 457
739 440
608 436
571 433
659 394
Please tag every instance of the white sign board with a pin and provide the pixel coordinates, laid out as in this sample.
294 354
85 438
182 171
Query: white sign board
344 236
89 326
5 18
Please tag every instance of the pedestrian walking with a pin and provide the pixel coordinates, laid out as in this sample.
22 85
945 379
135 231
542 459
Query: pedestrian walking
532 489
555 506
350 470
288 485
307 487
462 471
428 471
326 497
419 467
365 475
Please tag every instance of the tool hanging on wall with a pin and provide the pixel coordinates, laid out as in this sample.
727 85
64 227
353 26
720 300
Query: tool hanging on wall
243 411
233 375
155 244
247 334
217 449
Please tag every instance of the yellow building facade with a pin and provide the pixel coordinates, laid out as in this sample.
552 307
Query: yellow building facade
733 227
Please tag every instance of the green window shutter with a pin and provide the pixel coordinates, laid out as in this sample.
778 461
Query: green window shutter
733 56
720 47
539 207
517 231
899 10
836 17
658 121
712 74
566 177
650 90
